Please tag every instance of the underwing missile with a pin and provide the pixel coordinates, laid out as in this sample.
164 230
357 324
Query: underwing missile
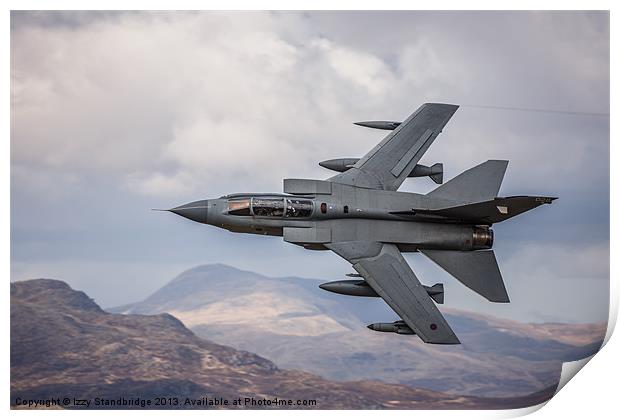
361 288
398 327
380 125
434 172
350 288
339 165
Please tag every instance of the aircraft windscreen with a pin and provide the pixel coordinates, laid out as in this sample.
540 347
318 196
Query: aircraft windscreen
298 208
268 207
239 207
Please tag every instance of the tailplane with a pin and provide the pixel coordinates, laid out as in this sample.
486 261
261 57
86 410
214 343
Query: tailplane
477 270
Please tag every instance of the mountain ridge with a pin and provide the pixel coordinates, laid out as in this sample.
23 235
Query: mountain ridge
91 353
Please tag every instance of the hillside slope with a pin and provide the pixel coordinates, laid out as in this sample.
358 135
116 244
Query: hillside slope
64 345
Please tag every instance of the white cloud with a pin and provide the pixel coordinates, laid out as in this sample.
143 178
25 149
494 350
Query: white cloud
161 185
182 92
360 68
160 98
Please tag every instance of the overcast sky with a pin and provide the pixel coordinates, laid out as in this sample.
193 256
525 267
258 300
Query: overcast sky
115 113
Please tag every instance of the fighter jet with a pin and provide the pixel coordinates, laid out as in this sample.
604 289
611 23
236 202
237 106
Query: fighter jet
360 215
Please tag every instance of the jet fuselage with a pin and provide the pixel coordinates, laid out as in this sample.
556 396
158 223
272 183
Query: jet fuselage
310 221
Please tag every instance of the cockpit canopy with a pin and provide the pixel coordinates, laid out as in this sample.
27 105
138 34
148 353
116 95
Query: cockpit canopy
270 207
239 207
298 208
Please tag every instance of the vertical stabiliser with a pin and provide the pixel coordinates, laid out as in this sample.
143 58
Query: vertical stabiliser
477 270
480 183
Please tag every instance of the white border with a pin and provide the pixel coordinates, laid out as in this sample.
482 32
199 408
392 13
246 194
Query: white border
593 394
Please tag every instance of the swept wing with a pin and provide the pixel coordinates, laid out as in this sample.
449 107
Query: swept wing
389 163
386 271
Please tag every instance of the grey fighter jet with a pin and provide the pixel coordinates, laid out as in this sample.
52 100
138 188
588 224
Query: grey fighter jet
360 215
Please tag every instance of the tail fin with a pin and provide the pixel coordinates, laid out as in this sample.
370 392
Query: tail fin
437 173
479 183
477 270
435 292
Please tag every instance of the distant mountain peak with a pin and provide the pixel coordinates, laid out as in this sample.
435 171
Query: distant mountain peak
211 269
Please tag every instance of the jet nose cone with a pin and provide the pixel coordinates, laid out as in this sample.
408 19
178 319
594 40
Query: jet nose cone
196 211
